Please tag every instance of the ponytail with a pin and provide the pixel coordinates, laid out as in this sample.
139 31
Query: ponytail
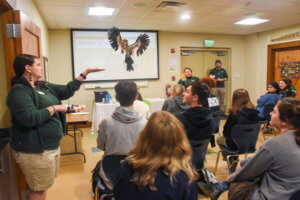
14 80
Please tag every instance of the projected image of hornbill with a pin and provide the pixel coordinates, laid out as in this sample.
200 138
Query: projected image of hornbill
139 46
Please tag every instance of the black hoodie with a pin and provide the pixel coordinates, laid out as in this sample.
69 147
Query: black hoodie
198 123
243 117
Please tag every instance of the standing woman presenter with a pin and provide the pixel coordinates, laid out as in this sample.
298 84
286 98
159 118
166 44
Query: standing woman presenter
38 121
187 77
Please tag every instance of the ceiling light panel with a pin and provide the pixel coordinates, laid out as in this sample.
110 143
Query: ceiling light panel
101 11
251 21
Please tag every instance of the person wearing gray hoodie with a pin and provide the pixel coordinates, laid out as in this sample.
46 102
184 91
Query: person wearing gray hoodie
175 104
118 133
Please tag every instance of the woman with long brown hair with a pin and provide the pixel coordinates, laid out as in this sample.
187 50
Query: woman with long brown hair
159 166
242 111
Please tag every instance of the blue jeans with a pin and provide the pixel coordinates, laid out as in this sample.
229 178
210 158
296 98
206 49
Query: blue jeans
224 185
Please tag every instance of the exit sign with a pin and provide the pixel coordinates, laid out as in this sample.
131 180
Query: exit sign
209 43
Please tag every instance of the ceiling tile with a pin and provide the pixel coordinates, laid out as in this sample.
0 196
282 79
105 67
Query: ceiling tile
213 16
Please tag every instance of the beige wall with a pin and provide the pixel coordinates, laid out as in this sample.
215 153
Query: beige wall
256 59
30 10
60 67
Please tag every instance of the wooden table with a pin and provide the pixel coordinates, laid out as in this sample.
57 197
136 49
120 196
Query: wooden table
75 119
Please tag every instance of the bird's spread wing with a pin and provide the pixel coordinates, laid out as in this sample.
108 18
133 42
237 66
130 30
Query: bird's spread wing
114 38
140 44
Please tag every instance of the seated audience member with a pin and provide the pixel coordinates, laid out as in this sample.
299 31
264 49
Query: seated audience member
187 77
241 112
141 107
273 172
159 166
197 120
175 104
213 104
118 133
212 100
285 88
272 96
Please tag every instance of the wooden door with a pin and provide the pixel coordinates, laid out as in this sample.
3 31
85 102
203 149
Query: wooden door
283 52
287 55
28 42
193 61
202 61
210 58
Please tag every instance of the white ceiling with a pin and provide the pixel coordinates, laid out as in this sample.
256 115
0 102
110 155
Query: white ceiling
207 16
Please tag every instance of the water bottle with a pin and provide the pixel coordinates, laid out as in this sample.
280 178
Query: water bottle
107 97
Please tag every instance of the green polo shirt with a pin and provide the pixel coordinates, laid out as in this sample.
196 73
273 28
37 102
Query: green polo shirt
188 81
219 73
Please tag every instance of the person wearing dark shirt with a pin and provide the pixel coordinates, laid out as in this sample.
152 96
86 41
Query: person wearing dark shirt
38 121
220 75
159 166
187 77
197 120
213 104
242 112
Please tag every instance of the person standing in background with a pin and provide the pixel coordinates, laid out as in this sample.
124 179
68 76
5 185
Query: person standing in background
187 77
220 75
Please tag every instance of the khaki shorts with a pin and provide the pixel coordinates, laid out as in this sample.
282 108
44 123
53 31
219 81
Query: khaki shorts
39 169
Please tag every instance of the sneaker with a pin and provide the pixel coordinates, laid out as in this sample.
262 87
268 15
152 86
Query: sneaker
213 191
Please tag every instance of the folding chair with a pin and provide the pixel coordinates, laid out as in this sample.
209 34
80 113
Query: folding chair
245 138
266 113
106 178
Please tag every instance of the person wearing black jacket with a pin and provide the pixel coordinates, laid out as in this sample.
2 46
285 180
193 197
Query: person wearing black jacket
197 120
242 112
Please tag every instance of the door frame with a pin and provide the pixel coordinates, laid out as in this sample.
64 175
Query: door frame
5 6
272 48
14 46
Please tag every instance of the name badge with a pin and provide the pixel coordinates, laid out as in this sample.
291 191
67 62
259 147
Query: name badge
40 92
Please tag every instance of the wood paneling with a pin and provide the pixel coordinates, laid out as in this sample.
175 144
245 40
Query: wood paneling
283 52
29 42
5 6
